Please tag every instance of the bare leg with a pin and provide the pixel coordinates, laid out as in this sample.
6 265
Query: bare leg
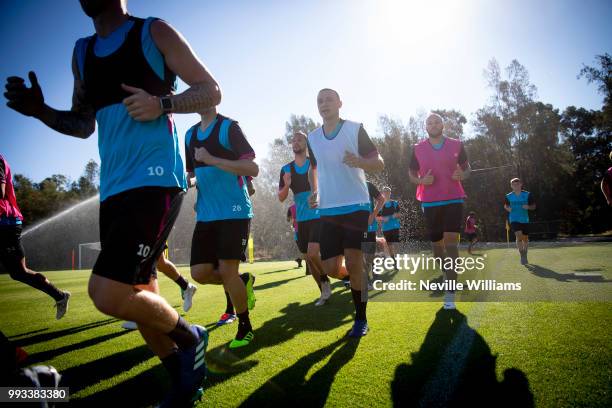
450 246
314 259
125 302
228 270
167 268
333 267
157 341
20 272
206 274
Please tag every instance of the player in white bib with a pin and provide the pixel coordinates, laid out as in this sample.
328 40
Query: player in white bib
340 153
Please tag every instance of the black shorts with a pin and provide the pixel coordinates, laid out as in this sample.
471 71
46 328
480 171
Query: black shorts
11 249
470 236
222 239
369 242
392 235
134 227
340 232
308 231
443 218
520 226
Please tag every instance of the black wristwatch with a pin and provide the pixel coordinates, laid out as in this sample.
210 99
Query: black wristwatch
166 104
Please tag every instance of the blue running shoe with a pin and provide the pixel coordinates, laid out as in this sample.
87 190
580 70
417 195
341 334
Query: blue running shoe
193 372
359 329
226 318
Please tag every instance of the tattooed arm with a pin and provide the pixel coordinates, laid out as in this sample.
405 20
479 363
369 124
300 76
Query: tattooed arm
80 121
204 92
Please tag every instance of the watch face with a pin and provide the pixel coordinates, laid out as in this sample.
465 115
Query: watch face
166 104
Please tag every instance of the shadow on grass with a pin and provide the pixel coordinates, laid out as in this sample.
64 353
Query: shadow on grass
455 368
588 270
50 354
542 272
296 318
90 373
143 390
274 284
290 385
276 271
28 333
39 338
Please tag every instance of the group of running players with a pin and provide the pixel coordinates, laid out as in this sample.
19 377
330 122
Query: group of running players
125 80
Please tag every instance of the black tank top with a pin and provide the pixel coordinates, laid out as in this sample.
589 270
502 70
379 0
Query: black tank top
103 76
212 143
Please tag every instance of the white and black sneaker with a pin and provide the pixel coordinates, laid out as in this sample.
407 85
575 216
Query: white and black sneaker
62 306
187 296
325 294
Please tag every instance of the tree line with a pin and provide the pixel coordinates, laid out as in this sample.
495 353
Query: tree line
560 156
38 201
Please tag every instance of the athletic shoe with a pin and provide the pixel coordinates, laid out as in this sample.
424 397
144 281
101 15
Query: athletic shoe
198 395
359 329
173 399
62 306
347 282
128 325
325 294
187 296
245 341
299 262
449 300
249 290
193 371
226 318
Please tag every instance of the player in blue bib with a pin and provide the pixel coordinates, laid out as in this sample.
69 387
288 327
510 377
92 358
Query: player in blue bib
125 78
219 159
390 214
377 201
517 203
294 177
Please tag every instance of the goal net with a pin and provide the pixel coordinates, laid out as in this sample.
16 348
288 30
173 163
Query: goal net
88 253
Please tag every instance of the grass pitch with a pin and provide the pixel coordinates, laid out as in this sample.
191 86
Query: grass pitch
484 354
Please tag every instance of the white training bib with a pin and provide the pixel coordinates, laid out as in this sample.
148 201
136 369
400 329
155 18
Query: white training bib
339 184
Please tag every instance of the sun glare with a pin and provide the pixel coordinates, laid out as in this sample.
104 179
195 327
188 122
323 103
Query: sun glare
407 23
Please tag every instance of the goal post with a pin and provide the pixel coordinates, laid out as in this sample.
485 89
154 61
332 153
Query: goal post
88 253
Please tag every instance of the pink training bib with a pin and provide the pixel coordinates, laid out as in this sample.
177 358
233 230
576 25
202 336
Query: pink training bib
8 205
442 164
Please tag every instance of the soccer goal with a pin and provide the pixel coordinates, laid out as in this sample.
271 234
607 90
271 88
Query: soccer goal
88 253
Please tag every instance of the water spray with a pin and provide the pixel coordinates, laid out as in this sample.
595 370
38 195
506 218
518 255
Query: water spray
60 214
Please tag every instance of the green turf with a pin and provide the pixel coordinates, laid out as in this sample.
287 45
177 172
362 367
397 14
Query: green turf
556 354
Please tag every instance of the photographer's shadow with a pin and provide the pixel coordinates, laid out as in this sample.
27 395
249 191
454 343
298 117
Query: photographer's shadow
455 368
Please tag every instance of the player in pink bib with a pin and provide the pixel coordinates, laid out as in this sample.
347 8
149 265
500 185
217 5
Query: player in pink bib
437 166
471 231
12 253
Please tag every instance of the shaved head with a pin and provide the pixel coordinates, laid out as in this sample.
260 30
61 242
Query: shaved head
329 104
330 90
434 125
434 117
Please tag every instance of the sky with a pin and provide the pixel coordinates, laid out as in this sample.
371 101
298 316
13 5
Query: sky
385 57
